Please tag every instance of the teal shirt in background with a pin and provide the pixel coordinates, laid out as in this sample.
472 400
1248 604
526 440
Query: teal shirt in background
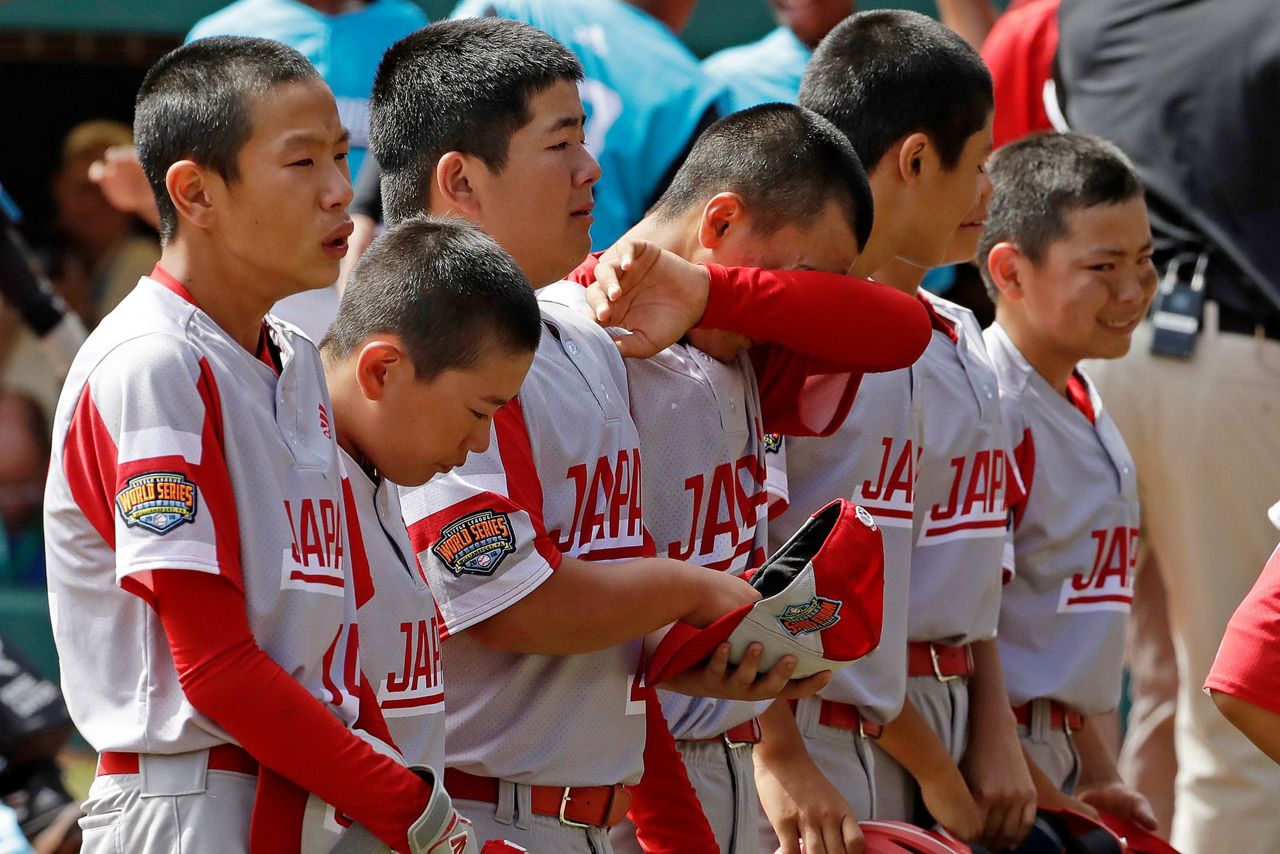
762 72
645 97
345 49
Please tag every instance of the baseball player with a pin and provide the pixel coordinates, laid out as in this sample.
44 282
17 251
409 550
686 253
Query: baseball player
194 512
543 640
642 91
926 155
1070 280
776 186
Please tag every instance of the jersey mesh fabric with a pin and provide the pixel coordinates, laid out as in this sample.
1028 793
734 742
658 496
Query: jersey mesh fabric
961 516
561 477
1063 614
699 425
763 72
147 476
399 637
345 48
871 460
644 95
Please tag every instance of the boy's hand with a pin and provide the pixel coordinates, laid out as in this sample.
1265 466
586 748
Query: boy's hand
654 294
948 800
996 771
804 808
1121 801
744 681
719 593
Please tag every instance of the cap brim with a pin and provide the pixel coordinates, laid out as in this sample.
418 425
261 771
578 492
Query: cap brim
1139 841
684 646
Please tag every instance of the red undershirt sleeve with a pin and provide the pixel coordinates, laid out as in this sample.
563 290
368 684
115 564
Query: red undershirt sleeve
664 806
852 323
227 677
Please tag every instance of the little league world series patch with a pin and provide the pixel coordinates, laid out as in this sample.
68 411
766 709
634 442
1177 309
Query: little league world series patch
158 501
475 544
813 616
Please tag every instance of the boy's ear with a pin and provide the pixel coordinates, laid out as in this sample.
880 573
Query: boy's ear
1008 268
915 155
379 364
455 188
722 213
188 186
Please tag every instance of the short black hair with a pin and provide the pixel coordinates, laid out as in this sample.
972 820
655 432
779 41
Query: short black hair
194 104
881 75
1037 181
786 163
445 289
460 85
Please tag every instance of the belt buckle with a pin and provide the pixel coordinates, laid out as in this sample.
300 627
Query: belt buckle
937 667
566 796
735 745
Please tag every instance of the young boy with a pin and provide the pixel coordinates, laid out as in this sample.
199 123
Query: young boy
194 505
915 101
776 187
1066 257
543 641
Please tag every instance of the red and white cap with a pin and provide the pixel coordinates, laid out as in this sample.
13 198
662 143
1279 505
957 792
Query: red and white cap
822 600
1135 838
897 837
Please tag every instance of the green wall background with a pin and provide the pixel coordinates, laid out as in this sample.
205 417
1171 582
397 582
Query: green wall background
716 24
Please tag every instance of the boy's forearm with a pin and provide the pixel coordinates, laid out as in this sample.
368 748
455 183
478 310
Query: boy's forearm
1097 762
1261 726
912 742
988 697
584 607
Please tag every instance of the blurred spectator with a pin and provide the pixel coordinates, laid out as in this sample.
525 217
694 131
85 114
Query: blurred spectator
24 435
1189 88
770 69
96 258
104 255
12 840
645 97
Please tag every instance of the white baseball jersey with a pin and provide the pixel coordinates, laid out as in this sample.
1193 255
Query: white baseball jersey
704 472
1062 619
398 622
871 459
562 476
176 449
961 514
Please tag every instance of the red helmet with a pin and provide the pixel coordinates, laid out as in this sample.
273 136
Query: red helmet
1139 841
896 837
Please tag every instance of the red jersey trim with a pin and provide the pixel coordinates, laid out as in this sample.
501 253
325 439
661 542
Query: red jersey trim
937 321
1078 394
524 488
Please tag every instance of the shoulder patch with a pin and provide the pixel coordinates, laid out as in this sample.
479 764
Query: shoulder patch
157 501
813 616
772 443
476 543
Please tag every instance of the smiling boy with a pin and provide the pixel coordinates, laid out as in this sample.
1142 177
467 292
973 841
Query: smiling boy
1066 257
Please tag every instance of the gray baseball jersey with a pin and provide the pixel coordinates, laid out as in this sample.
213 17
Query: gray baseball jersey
961 512
176 449
562 476
1062 620
398 623
871 459
704 472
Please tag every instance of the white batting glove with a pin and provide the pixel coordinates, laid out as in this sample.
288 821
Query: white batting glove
440 829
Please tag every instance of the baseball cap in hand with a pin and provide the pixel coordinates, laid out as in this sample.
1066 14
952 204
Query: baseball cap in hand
822 600
1069 832
897 837
1136 839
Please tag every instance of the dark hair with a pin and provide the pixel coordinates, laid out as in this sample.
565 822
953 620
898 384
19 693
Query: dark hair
456 86
32 416
195 102
445 288
879 76
1037 181
786 163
